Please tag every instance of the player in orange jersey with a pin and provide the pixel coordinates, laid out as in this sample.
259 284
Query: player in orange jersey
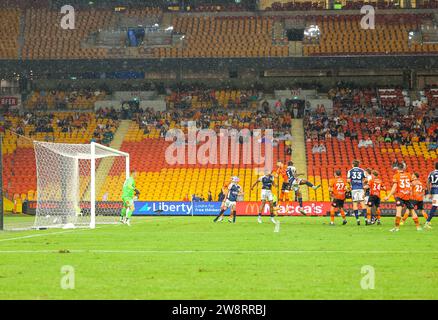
285 186
337 188
375 185
402 189
418 192
224 191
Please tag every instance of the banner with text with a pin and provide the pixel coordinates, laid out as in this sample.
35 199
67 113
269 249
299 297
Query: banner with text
250 208
178 208
317 208
9 101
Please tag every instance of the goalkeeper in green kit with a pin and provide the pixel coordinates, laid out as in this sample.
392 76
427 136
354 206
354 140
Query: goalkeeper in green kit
128 193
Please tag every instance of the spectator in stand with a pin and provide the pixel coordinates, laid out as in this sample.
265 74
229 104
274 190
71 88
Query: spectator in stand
365 143
319 148
388 138
20 130
369 143
265 105
307 109
322 148
353 135
340 136
432 146
278 105
107 137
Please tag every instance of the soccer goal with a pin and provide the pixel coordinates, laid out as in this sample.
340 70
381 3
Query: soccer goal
78 185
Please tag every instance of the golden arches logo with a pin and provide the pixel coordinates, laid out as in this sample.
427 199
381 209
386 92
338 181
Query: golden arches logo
252 208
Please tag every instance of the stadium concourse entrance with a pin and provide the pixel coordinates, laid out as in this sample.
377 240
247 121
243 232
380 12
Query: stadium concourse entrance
295 107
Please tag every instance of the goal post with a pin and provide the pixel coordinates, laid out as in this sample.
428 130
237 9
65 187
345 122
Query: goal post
78 185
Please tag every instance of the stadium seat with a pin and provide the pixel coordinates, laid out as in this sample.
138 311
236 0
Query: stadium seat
9 33
321 166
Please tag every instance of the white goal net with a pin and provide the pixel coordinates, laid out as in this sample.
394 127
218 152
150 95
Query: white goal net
78 185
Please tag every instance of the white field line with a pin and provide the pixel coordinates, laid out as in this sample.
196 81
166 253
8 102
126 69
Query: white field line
119 251
43 234
35 235
147 220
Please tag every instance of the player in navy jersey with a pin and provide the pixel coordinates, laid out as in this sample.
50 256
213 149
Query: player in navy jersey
357 179
267 182
295 182
234 190
432 187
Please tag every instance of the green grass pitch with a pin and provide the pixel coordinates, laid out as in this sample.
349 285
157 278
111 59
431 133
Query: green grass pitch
194 258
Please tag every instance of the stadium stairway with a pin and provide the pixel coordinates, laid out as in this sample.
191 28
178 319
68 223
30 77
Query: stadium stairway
278 30
105 165
119 135
295 48
166 19
299 152
21 37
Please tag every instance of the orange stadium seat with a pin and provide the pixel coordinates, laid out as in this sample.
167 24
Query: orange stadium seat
340 155
9 33
159 180
207 35
224 37
343 34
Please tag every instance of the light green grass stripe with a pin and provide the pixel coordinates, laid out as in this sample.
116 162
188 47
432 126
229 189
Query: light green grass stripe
218 251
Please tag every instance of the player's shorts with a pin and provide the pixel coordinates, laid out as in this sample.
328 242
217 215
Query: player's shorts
128 202
367 198
295 184
373 201
338 203
435 199
228 203
285 187
357 195
419 204
404 203
267 195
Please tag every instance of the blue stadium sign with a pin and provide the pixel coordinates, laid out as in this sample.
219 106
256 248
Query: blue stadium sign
177 208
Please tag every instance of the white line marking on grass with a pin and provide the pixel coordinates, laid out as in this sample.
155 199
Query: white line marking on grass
217 251
41 235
